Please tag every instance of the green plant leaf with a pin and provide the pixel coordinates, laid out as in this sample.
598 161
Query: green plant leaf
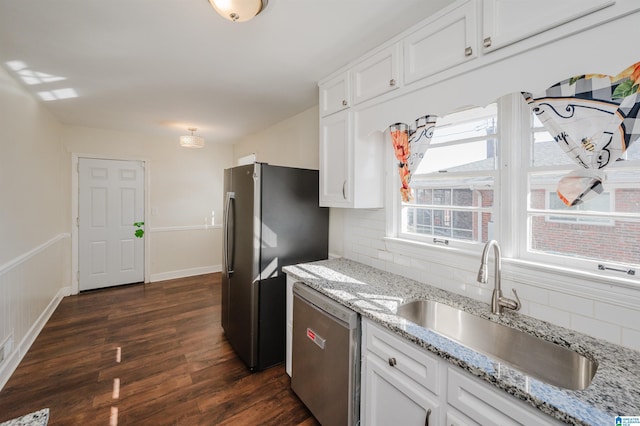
138 224
624 89
139 233
572 80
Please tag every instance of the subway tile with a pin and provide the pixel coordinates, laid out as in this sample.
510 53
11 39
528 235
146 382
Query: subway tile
631 338
528 292
402 260
617 314
550 314
385 255
573 304
597 328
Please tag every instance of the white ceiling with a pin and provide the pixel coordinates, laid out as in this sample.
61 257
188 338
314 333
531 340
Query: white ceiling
160 66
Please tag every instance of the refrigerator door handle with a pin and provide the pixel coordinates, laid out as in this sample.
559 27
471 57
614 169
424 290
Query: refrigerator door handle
227 211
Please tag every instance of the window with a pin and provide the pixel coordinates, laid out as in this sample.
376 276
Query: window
454 184
603 229
601 203
461 191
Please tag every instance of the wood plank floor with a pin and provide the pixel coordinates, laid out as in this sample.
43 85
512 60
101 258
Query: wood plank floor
151 354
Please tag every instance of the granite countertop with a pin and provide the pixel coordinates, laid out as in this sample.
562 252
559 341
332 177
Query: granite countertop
376 294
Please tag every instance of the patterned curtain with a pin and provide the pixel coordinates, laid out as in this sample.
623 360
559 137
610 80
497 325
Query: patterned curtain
409 146
594 118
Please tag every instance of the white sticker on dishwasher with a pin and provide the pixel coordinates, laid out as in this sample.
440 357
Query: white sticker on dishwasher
315 338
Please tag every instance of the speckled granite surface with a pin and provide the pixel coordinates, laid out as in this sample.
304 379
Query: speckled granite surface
38 418
615 389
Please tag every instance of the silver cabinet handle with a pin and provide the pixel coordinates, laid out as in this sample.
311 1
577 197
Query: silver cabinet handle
392 362
344 193
468 51
486 42
392 82
344 102
426 421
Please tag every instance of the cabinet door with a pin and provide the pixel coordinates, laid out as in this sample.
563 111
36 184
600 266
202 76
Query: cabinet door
334 94
335 160
442 43
506 22
393 399
377 74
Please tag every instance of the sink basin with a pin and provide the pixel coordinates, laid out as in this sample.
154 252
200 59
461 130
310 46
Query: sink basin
533 356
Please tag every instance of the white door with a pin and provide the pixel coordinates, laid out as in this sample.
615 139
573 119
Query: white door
111 200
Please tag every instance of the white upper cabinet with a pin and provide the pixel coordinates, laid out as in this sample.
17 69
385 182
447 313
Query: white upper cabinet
336 150
506 21
444 41
334 94
377 74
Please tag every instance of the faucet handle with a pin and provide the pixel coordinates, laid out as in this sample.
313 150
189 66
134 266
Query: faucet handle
518 304
514 305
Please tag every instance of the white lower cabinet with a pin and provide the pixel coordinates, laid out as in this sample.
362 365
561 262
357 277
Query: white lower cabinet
394 399
403 384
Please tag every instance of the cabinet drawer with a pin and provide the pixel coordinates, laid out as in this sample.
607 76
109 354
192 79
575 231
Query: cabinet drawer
490 406
377 74
409 359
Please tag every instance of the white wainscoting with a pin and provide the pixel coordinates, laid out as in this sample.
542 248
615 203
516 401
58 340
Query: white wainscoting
31 287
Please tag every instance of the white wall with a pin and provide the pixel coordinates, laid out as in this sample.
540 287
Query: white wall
34 237
294 142
580 302
185 186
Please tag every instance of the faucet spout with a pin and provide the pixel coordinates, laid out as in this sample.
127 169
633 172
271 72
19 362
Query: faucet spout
498 301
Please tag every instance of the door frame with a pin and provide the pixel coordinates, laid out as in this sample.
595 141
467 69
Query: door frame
75 199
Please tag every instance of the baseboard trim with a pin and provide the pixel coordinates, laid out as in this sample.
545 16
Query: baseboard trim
13 360
171 275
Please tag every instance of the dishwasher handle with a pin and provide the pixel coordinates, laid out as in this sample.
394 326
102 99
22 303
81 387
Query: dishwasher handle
323 303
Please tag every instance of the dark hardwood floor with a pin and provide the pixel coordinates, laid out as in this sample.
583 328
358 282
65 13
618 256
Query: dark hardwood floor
151 354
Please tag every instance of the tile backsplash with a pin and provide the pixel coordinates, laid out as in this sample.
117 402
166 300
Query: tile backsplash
594 311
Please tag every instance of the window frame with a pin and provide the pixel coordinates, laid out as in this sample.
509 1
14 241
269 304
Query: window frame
511 182
394 221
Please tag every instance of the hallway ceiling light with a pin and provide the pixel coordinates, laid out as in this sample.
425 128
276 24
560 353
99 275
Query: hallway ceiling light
238 10
191 141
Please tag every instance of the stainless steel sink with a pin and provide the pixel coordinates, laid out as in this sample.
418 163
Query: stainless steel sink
533 356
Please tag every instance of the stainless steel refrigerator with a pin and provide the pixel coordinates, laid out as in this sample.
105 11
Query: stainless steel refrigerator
271 219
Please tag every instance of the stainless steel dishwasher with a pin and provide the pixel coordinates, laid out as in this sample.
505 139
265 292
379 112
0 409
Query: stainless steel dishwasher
325 369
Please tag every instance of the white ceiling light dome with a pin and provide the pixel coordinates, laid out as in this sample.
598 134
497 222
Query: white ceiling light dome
238 10
191 141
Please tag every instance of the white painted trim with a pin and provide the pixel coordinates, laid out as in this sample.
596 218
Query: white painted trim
26 256
184 228
171 275
75 188
12 362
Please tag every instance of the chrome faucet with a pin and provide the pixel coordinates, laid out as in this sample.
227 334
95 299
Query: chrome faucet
498 301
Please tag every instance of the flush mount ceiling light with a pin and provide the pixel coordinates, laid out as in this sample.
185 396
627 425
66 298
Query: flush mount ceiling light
191 141
238 10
